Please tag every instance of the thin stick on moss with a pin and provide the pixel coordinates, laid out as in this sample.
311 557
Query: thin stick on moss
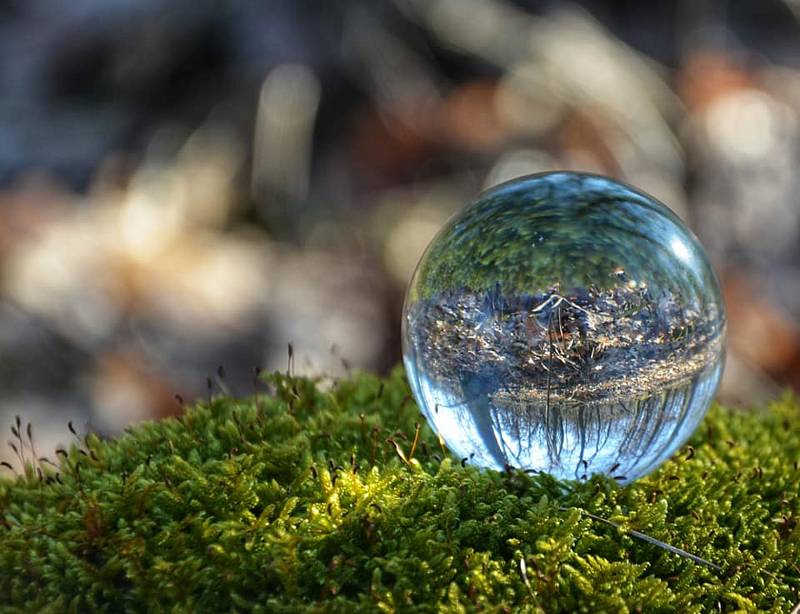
652 540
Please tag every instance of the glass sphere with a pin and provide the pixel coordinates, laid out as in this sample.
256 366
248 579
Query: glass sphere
564 323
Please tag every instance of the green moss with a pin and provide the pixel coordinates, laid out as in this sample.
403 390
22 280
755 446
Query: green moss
298 501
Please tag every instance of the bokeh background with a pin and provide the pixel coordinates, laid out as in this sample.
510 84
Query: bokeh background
197 183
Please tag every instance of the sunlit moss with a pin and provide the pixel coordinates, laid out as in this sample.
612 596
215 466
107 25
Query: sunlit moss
311 499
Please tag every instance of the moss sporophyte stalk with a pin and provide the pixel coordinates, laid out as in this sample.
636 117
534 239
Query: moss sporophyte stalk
337 497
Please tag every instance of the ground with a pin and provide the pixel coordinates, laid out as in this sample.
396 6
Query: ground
315 495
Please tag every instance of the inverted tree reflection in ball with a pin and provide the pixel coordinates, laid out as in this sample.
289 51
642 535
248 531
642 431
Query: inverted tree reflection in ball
564 323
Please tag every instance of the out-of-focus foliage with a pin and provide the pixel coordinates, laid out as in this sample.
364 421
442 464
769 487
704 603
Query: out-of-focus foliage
325 496
196 183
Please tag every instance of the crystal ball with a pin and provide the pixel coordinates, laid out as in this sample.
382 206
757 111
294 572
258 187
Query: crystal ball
564 323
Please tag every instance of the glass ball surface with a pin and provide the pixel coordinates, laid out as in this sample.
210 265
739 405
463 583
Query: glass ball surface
564 323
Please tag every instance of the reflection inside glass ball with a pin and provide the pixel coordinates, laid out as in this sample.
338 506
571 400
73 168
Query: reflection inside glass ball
564 323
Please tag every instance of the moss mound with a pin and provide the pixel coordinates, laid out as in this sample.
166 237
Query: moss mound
308 498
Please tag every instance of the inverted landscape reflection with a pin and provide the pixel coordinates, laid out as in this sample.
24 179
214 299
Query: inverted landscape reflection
564 323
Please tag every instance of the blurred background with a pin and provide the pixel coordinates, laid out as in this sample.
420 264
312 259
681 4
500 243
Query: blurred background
198 183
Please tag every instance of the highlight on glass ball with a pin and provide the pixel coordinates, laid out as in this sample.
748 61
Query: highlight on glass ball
564 323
